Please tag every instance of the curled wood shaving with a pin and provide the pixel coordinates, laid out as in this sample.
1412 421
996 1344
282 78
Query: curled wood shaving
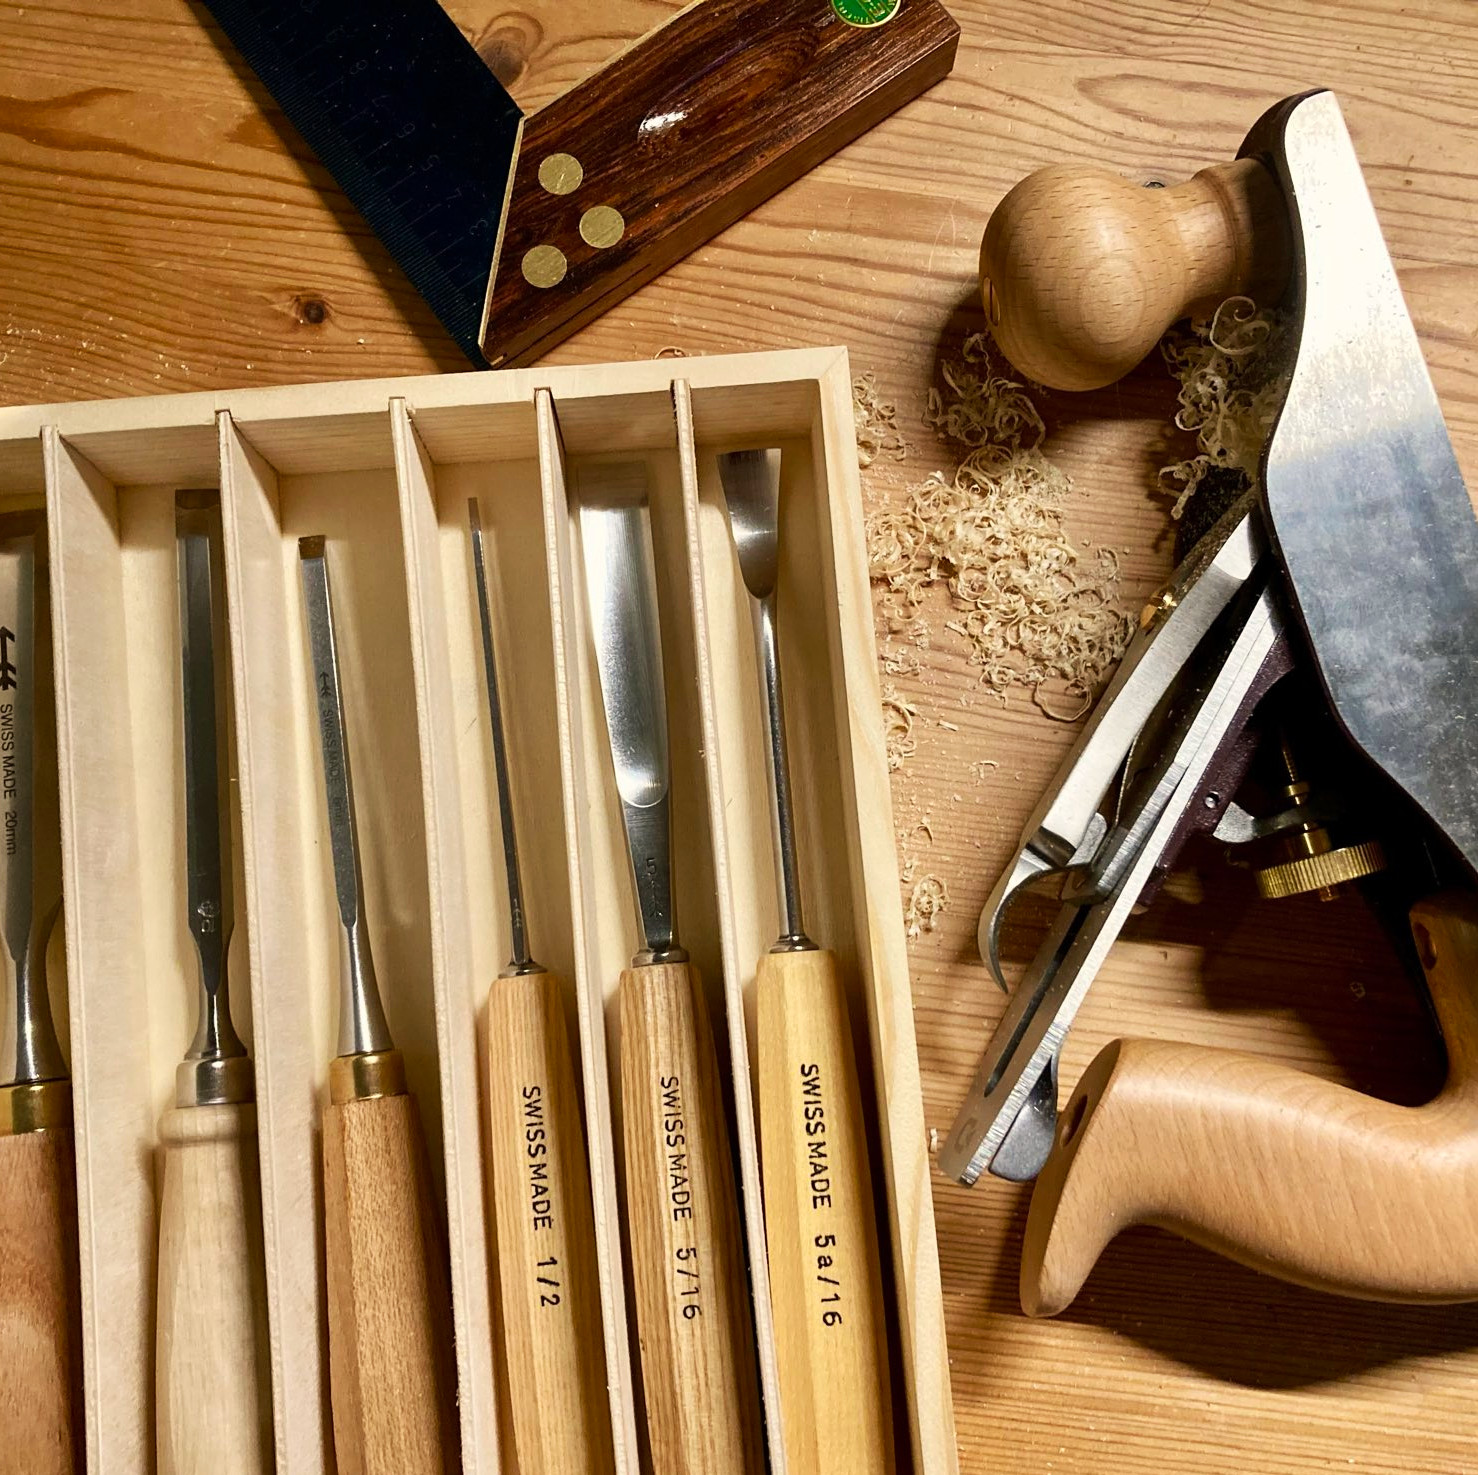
1233 370
898 716
1030 607
929 897
877 423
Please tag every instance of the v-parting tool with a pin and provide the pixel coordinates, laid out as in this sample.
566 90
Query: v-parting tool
693 1317
555 1352
211 1374
392 1379
820 1215
41 1330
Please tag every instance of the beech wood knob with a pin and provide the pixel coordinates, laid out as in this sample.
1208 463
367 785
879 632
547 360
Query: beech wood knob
550 1297
1082 271
212 1376
392 1379
692 1303
40 1311
1283 1171
820 1224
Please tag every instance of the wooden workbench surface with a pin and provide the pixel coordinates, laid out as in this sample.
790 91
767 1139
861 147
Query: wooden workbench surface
161 229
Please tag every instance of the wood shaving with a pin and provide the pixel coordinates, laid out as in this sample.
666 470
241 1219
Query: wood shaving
1233 374
929 897
949 726
898 739
877 423
980 766
1029 605
902 660
672 351
1071 704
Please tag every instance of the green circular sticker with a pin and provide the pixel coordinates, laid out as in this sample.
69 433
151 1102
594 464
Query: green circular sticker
866 12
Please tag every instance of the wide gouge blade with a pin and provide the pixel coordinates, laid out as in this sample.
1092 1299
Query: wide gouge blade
698 1366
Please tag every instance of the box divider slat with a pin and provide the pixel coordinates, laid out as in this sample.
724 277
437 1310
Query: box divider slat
590 987
451 952
286 945
113 1107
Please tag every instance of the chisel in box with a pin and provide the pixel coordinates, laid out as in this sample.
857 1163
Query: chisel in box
391 1377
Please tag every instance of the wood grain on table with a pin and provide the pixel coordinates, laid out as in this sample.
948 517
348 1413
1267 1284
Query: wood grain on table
162 229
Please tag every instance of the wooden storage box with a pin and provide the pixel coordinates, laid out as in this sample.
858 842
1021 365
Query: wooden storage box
384 469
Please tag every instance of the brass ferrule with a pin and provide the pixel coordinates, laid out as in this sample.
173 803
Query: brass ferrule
33 1106
363 1077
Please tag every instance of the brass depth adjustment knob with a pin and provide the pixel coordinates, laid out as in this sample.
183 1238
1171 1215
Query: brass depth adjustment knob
1311 862
1082 270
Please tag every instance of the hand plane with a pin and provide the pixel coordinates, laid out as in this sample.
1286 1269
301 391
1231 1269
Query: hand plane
1343 590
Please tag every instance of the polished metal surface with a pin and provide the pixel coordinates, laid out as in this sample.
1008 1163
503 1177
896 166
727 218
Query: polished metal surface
1065 829
751 482
621 589
29 1049
1009 1118
520 961
1364 495
207 1074
362 1026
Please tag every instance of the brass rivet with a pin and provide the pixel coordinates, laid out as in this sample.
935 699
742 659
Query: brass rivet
544 266
601 226
561 174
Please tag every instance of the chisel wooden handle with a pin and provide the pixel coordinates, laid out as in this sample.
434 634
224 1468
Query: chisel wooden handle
389 1308
1283 1171
1083 270
555 1353
212 1378
693 1312
40 1317
820 1224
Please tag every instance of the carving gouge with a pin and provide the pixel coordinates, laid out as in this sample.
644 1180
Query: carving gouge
692 1311
1350 578
391 1375
40 1328
541 1182
211 1373
820 1217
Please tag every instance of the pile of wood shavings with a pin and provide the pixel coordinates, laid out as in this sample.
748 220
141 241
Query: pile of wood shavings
1233 376
898 716
929 897
877 423
1030 606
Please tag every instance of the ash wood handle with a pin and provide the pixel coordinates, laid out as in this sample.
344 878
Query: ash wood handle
820 1224
1287 1173
693 1316
1083 270
555 1353
40 1315
211 1376
389 1306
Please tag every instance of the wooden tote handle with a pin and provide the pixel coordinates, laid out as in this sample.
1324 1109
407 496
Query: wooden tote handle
693 1315
389 1307
40 1317
212 1379
1083 270
820 1224
1282 1171
554 1351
